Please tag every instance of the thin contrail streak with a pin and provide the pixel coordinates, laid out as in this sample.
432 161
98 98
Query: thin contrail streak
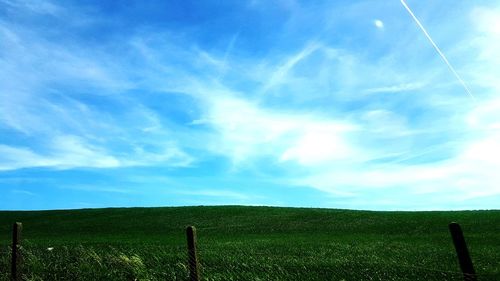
439 51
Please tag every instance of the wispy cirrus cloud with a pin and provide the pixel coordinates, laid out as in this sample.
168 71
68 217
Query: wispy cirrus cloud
62 107
357 111
67 152
396 88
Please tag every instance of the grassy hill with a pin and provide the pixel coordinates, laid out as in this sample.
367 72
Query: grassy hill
250 243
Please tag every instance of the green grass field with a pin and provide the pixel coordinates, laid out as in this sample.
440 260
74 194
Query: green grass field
249 243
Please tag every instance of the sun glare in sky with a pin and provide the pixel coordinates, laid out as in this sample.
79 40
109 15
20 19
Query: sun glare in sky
381 105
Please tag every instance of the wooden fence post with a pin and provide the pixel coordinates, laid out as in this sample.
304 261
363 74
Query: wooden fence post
16 254
462 252
194 270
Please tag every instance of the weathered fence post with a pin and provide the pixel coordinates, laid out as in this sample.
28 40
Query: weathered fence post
462 252
16 254
194 270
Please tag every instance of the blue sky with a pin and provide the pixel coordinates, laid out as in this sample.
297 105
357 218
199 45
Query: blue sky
340 104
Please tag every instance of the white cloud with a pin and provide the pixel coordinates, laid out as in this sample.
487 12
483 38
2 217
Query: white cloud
485 116
396 88
64 152
320 143
169 154
23 192
487 20
96 188
39 7
379 24
320 119
72 151
71 103
279 75
16 158
69 151
216 193
247 130
471 173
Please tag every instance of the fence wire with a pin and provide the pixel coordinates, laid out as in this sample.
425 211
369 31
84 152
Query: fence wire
251 265
257 259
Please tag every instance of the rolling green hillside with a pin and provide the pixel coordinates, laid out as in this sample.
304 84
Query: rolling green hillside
250 243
